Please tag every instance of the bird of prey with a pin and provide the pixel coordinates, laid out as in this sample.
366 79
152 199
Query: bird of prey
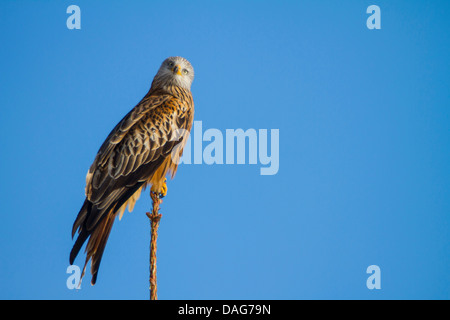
141 150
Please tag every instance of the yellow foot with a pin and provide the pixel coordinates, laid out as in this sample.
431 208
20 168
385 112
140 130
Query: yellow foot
162 191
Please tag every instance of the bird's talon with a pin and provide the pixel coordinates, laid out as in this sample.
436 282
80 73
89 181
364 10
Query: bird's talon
159 193
163 189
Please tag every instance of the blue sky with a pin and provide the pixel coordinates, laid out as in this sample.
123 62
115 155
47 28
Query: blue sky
363 117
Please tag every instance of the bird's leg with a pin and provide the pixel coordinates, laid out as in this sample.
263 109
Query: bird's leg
161 191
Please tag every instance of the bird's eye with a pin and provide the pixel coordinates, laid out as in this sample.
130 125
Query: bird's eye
185 71
171 64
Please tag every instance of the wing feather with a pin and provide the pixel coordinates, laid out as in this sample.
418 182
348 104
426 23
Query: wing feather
120 130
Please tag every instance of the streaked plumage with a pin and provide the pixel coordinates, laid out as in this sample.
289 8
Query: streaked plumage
142 149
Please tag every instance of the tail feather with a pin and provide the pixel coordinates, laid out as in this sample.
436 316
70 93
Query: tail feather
97 234
95 249
77 246
95 245
81 217
83 233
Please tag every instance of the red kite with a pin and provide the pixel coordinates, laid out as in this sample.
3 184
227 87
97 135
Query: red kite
141 150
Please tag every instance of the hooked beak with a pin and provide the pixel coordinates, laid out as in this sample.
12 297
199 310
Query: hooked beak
177 69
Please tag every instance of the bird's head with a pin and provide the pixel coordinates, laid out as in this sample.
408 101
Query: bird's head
176 71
